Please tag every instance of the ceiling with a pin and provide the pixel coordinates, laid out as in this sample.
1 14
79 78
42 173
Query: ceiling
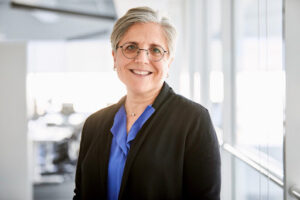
65 19
56 19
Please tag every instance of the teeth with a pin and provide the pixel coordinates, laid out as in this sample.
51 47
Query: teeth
141 72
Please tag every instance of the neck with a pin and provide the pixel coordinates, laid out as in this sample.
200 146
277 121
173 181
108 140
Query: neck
135 104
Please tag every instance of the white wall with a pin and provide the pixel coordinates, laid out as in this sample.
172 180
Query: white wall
14 163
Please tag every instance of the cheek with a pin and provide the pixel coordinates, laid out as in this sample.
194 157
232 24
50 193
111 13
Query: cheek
164 69
121 63
165 65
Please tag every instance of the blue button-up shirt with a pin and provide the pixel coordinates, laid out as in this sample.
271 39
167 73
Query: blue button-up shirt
120 147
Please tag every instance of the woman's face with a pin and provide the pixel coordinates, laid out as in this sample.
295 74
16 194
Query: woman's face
141 75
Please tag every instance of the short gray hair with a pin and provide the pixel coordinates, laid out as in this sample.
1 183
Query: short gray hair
143 15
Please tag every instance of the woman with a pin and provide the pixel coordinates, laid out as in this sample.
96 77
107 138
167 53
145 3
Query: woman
152 144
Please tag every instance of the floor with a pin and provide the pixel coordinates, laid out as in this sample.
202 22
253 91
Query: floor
54 191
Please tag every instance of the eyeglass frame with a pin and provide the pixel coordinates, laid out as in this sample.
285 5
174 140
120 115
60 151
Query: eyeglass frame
139 49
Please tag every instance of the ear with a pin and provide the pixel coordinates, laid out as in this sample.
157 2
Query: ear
114 55
170 62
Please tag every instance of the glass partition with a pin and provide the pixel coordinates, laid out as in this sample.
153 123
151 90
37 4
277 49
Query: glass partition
259 81
251 185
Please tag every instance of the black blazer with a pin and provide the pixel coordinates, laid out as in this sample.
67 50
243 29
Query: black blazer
175 155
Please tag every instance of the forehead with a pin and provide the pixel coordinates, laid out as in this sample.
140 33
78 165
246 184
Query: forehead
145 34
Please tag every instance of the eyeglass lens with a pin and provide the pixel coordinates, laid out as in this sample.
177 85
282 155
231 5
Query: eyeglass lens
131 50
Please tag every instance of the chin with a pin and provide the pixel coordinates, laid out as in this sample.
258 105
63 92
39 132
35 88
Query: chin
139 89
143 87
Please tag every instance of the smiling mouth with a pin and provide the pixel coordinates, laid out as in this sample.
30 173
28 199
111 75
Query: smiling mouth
140 72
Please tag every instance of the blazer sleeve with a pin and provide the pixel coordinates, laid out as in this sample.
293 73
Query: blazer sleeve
202 165
82 152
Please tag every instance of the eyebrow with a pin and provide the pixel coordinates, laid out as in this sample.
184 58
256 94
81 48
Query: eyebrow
152 44
131 42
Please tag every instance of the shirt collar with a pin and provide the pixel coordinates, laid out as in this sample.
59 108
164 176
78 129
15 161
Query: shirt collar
119 128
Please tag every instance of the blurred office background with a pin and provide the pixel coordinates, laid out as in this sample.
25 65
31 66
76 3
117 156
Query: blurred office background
238 58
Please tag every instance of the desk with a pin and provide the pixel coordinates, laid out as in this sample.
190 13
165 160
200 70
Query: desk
43 136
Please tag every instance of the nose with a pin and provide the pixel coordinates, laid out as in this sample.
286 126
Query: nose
142 57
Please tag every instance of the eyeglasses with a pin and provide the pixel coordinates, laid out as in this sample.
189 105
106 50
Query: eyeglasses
131 51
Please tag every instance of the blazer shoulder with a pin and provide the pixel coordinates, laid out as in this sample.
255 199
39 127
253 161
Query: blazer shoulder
98 121
190 106
102 115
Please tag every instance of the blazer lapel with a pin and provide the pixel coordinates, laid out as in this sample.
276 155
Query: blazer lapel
103 150
102 144
138 141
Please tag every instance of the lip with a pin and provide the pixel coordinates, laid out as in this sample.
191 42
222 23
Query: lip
140 72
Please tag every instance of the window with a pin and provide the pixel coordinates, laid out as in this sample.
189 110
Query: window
259 94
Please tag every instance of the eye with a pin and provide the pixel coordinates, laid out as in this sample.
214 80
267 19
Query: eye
131 48
156 50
